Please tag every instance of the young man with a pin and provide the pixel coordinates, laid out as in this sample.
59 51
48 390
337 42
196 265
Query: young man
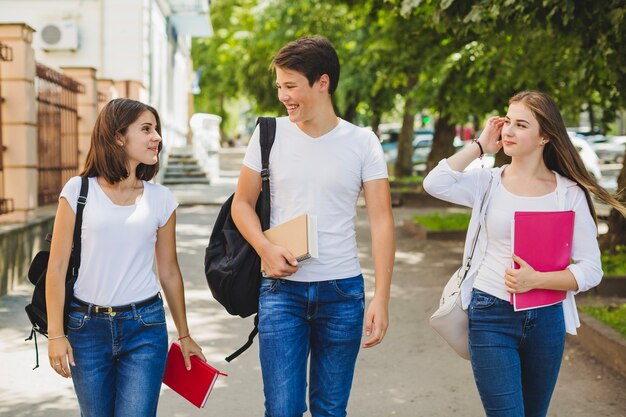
318 165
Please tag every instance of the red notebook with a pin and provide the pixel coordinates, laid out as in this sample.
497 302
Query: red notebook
194 385
544 240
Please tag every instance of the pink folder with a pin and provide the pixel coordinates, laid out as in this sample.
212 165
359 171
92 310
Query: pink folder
544 240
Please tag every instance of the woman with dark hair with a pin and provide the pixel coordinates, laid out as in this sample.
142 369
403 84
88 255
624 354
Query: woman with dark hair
116 343
516 355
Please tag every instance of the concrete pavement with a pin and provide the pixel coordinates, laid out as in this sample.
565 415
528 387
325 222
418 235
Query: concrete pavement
411 374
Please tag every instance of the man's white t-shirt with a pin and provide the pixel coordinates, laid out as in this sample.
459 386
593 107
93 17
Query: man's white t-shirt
117 253
322 177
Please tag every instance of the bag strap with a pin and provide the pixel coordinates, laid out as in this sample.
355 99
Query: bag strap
76 248
251 337
468 263
267 132
267 136
82 200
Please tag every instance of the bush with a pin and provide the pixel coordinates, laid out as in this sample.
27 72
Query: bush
614 263
445 221
411 180
613 316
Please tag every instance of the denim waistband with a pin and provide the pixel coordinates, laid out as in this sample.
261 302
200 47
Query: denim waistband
85 307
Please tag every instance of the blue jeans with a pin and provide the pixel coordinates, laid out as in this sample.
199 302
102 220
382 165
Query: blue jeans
323 319
515 356
120 360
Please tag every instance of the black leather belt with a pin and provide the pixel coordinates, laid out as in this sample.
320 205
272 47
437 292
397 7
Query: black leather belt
112 310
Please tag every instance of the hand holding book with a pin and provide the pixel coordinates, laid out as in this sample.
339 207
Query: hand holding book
298 237
520 280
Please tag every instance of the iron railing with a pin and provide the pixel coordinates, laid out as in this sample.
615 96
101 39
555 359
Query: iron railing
6 204
57 129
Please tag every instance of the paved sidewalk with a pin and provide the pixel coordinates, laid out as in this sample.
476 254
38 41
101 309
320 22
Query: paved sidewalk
412 374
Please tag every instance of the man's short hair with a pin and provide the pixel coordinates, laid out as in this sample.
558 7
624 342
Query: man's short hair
312 56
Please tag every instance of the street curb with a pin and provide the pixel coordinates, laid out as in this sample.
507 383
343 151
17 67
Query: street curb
601 342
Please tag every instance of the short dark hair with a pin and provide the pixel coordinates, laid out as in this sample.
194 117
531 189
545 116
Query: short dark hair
312 56
105 157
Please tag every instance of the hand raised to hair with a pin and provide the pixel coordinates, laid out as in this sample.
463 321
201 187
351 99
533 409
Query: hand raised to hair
490 136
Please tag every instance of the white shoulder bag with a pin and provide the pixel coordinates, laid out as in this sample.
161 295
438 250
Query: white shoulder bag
450 320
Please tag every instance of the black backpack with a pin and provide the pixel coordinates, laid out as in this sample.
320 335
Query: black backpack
36 310
231 265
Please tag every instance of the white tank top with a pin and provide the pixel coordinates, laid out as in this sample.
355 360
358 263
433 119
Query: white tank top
499 220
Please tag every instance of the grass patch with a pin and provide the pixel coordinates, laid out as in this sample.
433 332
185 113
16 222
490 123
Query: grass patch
613 316
614 263
410 180
445 221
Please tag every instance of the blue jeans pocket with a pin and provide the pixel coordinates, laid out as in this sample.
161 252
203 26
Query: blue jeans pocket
153 316
76 320
268 285
482 300
353 288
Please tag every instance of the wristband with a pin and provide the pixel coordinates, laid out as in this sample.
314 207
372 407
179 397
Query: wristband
56 337
482 153
183 337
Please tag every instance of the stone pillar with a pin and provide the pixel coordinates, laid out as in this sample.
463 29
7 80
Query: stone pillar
19 121
129 89
106 92
87 108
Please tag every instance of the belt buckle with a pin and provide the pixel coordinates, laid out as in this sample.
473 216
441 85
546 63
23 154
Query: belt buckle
106 310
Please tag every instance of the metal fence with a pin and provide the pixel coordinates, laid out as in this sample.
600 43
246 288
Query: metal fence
57 129
6 204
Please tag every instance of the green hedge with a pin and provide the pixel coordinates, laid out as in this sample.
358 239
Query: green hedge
615 264
612 315
444 221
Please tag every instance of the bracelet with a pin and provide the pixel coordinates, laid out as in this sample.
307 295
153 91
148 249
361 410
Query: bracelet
482 153
56 337
183 337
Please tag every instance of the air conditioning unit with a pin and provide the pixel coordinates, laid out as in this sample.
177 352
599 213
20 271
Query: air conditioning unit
59 36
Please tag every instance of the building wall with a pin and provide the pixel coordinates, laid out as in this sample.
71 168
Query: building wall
124 40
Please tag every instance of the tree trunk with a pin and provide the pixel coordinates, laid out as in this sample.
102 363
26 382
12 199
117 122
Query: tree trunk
592 118
404 161
375 123
443 142
617 222
350 112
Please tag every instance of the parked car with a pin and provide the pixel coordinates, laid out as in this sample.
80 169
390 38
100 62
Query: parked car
422 141
589 157
610 173
611 149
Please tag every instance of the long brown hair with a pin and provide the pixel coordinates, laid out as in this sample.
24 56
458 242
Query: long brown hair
105 157
559 153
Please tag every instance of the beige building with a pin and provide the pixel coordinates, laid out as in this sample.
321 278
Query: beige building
60 62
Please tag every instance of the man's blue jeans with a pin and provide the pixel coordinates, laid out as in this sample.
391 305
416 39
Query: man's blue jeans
120 360
323 319
515 356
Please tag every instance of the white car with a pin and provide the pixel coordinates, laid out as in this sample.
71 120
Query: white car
611 149
589 157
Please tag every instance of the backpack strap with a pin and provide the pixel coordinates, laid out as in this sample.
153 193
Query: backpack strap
267 132
251 337
78 225
76 248
267 136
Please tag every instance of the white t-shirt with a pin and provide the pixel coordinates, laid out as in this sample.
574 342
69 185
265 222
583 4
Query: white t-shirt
499 217
117 253
322 177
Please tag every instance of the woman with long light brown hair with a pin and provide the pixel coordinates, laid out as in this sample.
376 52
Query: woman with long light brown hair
516 355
